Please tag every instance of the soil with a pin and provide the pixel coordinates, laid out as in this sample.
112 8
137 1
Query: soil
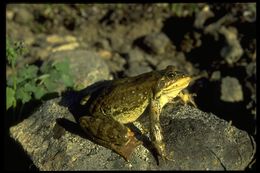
212 42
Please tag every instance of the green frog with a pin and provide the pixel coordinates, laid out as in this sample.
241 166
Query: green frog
123 101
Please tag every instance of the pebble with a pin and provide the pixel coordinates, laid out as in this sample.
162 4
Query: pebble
156 42
23 16
231 90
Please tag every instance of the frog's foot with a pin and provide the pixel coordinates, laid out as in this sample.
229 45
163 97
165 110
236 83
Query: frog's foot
126 150
160 148
110 134
187 98
167 157
161 151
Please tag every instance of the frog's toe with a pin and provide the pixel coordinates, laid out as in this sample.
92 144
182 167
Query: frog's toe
168 158
126 150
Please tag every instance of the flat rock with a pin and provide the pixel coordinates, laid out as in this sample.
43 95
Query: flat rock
196 140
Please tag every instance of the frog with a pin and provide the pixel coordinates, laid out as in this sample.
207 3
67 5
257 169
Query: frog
123 101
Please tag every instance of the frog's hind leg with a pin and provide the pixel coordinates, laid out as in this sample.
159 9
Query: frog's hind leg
111 134
105 128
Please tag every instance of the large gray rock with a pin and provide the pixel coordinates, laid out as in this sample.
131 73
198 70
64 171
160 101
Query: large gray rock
197 140
86 67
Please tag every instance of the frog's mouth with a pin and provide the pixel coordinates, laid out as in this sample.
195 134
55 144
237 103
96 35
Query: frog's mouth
177 85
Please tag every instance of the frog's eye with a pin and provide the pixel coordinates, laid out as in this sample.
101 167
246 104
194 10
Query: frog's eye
171 74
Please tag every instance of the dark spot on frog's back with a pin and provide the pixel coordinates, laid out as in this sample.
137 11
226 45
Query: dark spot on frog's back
106 128
124 109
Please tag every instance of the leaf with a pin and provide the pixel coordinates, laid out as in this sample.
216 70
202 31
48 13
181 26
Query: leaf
10 80
67 80
62 66
28 72
20 48
78 87
41 91
46 67
30 87
51 85
55 75
10 99
22 95
10 53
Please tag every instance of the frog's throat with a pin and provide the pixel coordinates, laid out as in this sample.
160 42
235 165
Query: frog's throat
167 97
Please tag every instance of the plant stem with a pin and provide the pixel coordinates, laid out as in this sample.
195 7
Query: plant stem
14 86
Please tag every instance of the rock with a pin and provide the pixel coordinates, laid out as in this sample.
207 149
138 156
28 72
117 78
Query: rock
67 46
61 43
249 14
179 61
56 39
136 68
197 140
216 75
153 60
44 45
190 42
117 42
12 32
163 64
103 44
156 42
9 14
116 63
135 56
231 90
125 48
23 16
251 69
215 27
86 66
202 16
233 51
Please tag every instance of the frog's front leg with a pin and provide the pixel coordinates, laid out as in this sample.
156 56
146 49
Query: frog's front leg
156 129
109 133
187 98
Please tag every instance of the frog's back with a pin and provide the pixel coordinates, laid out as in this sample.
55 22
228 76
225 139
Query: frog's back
125 99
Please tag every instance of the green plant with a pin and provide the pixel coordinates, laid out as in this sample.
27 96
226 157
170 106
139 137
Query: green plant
12 54
31 82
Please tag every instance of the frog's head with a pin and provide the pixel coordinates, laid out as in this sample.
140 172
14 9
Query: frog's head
171 82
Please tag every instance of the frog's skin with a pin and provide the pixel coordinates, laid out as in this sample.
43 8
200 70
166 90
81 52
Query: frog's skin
123 101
